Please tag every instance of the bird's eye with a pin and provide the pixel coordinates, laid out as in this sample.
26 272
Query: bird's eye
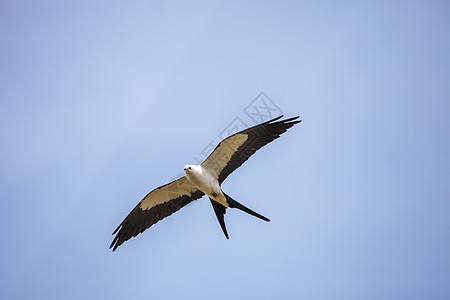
189 168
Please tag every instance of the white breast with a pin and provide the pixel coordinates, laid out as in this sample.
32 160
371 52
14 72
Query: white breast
206 182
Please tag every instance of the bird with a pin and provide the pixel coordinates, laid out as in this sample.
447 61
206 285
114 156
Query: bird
203 179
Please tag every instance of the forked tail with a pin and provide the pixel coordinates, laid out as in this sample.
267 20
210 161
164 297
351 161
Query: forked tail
220 211
234 204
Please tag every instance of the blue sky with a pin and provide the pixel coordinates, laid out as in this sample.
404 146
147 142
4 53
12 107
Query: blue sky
102 102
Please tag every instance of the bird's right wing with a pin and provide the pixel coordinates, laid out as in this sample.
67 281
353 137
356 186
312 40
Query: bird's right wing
158 204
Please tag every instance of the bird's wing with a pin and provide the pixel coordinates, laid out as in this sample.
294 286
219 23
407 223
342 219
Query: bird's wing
158 204
233 151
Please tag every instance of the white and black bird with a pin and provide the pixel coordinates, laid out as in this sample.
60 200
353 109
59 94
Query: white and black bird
203 179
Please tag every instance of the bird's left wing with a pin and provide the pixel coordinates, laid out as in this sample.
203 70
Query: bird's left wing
158 204
233 151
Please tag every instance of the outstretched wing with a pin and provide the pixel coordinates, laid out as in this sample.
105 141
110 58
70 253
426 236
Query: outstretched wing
158 204
233 151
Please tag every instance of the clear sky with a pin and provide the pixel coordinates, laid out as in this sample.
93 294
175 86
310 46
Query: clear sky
102 101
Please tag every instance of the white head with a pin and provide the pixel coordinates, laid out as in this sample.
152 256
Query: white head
189 169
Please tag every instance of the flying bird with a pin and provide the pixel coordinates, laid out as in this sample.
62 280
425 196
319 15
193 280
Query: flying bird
203 179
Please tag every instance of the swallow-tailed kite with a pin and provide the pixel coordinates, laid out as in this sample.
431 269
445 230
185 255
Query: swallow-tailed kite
202 179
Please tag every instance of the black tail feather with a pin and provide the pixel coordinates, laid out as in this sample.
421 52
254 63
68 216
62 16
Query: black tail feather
234 204
220 211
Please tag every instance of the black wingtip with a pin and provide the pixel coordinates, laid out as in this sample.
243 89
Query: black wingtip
114 245
288 121
274 119
291 120
116 229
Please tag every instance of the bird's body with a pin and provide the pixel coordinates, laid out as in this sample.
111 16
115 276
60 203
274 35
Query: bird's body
206 182
203 179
